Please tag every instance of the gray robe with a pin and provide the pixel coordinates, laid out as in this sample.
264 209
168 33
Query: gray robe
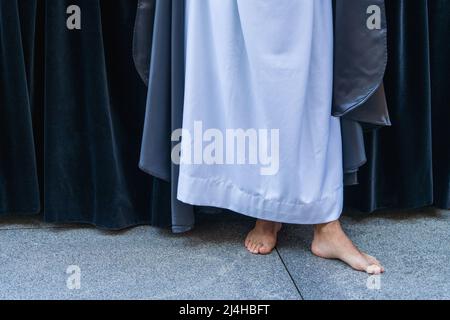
358 97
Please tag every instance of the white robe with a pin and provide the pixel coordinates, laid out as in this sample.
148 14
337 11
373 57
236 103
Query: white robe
263 64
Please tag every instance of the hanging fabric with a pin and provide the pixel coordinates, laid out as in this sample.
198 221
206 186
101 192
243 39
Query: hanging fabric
19 186
85 150
94 111
409 163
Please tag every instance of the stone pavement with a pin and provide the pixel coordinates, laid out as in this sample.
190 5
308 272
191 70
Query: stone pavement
211 262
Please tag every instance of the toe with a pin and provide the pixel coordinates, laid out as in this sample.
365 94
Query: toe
374 261
362 263
265 249
259 248
254 248
373 269
249 246
358 262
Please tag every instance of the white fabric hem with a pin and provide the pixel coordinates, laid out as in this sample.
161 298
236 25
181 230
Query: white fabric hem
220 194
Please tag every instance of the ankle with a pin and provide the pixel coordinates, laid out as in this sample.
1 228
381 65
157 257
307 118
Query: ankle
327 228
270 226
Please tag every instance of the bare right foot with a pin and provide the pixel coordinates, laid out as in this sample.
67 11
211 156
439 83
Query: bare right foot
330 242
263 238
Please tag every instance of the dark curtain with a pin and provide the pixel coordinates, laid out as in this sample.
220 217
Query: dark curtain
409 163
88 116
94 111
440 98
19 187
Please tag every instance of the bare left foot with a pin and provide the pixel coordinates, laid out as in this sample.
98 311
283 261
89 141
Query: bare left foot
330 242
263 238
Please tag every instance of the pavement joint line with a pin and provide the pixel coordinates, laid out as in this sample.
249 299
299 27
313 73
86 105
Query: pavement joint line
290 275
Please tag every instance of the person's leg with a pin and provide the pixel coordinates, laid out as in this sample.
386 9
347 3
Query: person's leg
331 242
263 238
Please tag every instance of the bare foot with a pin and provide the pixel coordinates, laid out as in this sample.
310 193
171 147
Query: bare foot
263 238
330 242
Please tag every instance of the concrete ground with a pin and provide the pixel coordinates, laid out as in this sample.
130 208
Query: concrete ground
211 262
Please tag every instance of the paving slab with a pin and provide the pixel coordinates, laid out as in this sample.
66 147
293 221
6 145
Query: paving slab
139 263
414 246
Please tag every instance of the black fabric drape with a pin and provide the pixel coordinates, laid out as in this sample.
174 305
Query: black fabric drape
94 111
85 83
439 21
409 163
19 187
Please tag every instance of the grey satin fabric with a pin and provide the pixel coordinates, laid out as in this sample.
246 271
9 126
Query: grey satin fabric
165 98
359 99
360 55
142 43
360 65
371 115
